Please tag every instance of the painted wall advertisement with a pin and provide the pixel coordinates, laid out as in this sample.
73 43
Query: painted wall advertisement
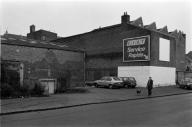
136 49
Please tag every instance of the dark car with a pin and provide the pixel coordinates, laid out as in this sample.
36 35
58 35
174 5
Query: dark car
89 83
185 83
129 82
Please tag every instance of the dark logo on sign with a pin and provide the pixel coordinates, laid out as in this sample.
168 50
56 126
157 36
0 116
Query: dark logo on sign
136 49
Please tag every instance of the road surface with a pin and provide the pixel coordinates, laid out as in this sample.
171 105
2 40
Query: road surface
170 111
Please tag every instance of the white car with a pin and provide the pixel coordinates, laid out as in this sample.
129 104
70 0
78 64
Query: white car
109 81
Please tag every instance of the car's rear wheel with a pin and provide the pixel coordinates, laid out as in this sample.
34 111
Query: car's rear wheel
96 85
133 86
126 86
189 87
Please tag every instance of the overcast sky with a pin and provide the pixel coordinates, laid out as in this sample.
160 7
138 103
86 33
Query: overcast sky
78 16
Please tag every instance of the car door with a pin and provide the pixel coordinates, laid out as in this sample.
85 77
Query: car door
107 81
102 81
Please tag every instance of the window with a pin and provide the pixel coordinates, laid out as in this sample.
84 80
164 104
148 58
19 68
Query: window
116 78
164 49
43 38
103 78
108 79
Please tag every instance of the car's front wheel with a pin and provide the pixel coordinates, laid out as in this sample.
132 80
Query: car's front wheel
189 87
96 85
110 86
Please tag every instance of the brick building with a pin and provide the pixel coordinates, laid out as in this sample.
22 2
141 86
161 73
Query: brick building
41 34
132 49
36 60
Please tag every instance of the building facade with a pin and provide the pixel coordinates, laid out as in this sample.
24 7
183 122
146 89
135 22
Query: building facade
132 49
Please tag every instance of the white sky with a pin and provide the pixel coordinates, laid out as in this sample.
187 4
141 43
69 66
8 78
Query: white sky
78 16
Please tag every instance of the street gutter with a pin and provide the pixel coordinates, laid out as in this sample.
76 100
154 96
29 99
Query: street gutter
91 103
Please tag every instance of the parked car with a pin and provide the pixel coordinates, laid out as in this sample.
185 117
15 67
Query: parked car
90 83
129 82
185 83
109 81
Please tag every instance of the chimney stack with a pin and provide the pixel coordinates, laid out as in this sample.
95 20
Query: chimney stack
125 18
32 28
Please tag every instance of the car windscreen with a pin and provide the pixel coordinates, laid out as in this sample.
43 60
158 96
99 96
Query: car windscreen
131 78
188 79
116 78
103 78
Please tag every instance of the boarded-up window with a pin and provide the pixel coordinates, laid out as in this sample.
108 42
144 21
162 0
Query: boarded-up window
164 49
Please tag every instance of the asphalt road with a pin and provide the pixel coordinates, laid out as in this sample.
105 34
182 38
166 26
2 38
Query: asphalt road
171 111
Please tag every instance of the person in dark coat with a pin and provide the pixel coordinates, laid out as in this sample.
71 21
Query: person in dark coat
150 86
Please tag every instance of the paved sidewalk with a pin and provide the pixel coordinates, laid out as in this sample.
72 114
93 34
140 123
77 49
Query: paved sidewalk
92 96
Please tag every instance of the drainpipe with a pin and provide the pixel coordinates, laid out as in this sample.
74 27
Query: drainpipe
84 61
21 73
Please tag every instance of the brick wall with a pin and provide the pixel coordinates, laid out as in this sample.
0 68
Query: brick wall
180 53
113 41
67 67
38 35
155 50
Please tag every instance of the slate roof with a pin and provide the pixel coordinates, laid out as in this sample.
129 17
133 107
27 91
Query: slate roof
41 30
137 23
11 39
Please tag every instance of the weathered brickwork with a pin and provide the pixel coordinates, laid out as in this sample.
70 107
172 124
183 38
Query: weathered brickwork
113 61
65 66
155 50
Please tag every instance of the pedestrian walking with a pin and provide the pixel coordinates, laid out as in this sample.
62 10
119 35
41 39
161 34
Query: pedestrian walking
150 86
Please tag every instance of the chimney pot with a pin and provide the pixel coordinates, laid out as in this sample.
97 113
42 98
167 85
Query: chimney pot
32 28
125 18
